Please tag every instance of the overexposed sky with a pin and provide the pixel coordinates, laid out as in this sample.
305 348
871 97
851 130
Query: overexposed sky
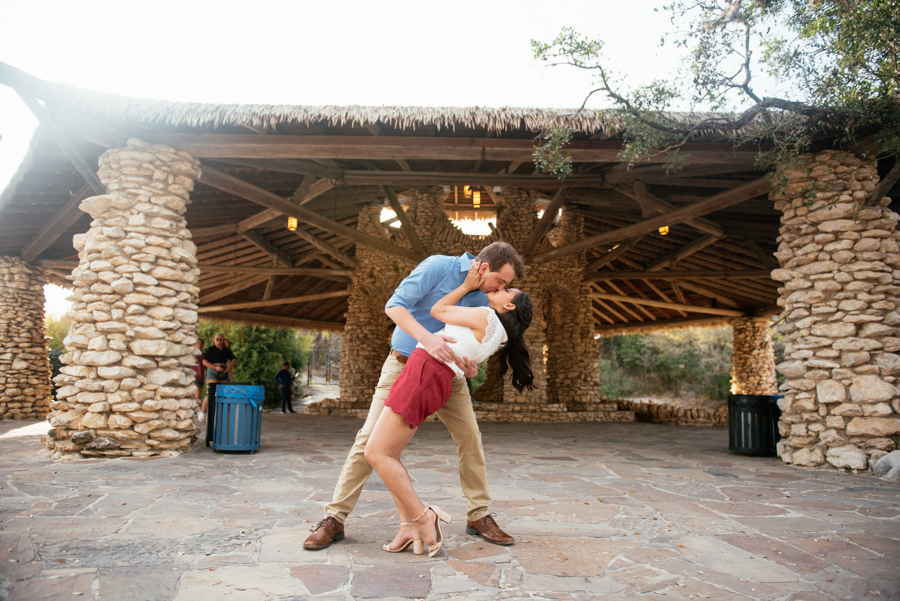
409 53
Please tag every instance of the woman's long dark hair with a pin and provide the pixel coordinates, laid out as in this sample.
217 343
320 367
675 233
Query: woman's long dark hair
515 354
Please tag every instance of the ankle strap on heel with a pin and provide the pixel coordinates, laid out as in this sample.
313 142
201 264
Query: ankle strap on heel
421 515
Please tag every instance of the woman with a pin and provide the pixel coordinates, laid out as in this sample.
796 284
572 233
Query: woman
424 387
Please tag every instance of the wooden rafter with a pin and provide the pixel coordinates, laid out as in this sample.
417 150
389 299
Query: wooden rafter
710 205
263 197
686 251
613 254
543 226
243 284
375 130
640 193
664 305
57 226
634 328
405 224
267 248
325 247
294 300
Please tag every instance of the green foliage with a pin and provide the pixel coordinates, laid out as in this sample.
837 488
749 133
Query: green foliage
57 329
835 64
690 362
478 380
260 352
550 157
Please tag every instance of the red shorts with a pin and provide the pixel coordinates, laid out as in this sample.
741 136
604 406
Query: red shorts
423 388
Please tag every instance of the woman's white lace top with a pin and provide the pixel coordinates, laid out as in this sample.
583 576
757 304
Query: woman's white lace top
467 346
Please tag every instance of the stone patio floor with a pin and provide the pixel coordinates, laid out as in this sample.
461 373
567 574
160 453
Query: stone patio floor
611 511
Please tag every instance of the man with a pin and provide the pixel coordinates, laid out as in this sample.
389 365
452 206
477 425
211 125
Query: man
410 308
285 380
219 362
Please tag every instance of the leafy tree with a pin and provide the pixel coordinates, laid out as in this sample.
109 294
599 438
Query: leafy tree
836 61
57 329
260 352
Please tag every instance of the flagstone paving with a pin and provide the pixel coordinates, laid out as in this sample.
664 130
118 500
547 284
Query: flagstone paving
618 511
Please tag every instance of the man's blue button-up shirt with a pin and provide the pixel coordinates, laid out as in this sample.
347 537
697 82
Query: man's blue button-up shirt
430 281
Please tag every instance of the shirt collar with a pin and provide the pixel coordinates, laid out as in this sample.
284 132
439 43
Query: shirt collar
465 261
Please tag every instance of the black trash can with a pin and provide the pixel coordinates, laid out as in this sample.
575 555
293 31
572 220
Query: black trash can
753 424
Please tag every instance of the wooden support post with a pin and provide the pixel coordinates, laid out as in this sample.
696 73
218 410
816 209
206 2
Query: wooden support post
270 288
57 226
714 203
546 222
405 224
883 186
63 142
242 189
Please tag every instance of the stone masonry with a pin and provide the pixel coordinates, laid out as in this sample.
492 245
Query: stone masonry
127 388
564 354
24 362
840 268
754 357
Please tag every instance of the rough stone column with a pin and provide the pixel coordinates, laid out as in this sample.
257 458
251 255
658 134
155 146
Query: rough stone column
573 356
754 357
127 387
840 296
24 361
367 333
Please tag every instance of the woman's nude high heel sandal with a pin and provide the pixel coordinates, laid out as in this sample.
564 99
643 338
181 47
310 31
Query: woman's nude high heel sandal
406 543
440 516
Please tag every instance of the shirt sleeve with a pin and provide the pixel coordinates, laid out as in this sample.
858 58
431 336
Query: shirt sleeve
416 285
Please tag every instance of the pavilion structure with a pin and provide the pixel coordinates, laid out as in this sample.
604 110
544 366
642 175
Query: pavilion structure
159 213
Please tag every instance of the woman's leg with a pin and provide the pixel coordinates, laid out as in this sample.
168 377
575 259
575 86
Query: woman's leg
389 437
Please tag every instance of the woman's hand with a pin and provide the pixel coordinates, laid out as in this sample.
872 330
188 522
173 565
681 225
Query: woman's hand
474 280
469 368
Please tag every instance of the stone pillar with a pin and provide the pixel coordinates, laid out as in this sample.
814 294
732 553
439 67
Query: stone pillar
127 387
839 269
754 357
24 361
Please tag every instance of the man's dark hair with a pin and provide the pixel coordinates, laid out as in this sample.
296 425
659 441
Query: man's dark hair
498 254
286 364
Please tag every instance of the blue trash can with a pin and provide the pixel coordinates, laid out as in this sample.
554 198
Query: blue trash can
238 417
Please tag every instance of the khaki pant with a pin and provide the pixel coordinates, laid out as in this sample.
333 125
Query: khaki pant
459 417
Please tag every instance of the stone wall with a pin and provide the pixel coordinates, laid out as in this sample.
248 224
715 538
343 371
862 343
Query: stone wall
839 272
127 387
676 415
24 362
754 357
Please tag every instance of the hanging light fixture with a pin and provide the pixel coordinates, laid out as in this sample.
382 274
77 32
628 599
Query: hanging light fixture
467 191
476 199
292 223
664 230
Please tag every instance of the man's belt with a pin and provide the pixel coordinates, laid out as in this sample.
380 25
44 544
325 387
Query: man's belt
401 358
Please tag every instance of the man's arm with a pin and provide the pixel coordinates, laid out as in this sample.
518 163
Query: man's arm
435 345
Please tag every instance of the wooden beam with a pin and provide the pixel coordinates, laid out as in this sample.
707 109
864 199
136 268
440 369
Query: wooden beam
292 322
405 224
59 136
57 226
408 147
375 130
676 275
288 166
613 254
643 197
883 186
768 260
218 230
267 248
238 187
294 300
546 222
710 294
704 207
315 189
229 290
639 190
657 173
665 305
270 288
674 324
441 178
693 247
325 247
662 294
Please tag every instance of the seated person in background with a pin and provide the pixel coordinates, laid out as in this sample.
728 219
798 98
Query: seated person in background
285 379
219 363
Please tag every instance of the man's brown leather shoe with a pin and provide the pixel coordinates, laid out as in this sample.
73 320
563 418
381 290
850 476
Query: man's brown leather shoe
326 532
488 529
